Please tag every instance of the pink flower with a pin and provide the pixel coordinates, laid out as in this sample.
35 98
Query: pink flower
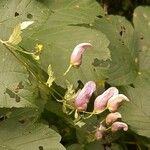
115 102
84 95
119 126
100 132
101 101
76 56
112 117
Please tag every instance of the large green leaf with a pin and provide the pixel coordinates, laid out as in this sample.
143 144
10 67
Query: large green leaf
137 112
12 76
20 132
59 45
141 22
120 32
55 39
73 11
14 86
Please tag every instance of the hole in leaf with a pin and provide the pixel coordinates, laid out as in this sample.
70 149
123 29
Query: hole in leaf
22 121
132 85
17 98
2 118
29 16
122 42
12 95
123 28
121 32
16 14
99 16
41 148
141 37
19 86
100 63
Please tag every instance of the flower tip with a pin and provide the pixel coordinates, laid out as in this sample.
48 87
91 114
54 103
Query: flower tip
76 56
115 102
112 117
116 126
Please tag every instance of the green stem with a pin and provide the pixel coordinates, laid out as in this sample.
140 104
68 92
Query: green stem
70 66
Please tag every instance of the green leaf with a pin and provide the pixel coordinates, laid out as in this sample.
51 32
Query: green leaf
75 147
73 12
20 132
119 31
94 146
15 37
137 112
141 22
12 76
15 64
58 50
54 38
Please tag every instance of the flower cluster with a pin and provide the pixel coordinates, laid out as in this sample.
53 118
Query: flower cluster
110 99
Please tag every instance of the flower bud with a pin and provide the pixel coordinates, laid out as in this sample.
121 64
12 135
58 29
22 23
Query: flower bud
84 95
100 132
112 117
115 102
100 102
76 56
116 126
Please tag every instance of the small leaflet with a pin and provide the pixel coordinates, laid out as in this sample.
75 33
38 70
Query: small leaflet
38 51
80 123
15 37
51 76
70 93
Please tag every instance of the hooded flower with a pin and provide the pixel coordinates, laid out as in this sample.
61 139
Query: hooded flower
76 56
101 101
116 126
115 101
112 117
84 95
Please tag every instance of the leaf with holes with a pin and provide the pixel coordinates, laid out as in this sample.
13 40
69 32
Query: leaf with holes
67 12
120 32
137 112
20 132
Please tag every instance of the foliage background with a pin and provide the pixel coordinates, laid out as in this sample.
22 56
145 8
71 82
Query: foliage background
30 117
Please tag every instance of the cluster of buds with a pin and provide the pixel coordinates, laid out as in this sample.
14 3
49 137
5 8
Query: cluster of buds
110 99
